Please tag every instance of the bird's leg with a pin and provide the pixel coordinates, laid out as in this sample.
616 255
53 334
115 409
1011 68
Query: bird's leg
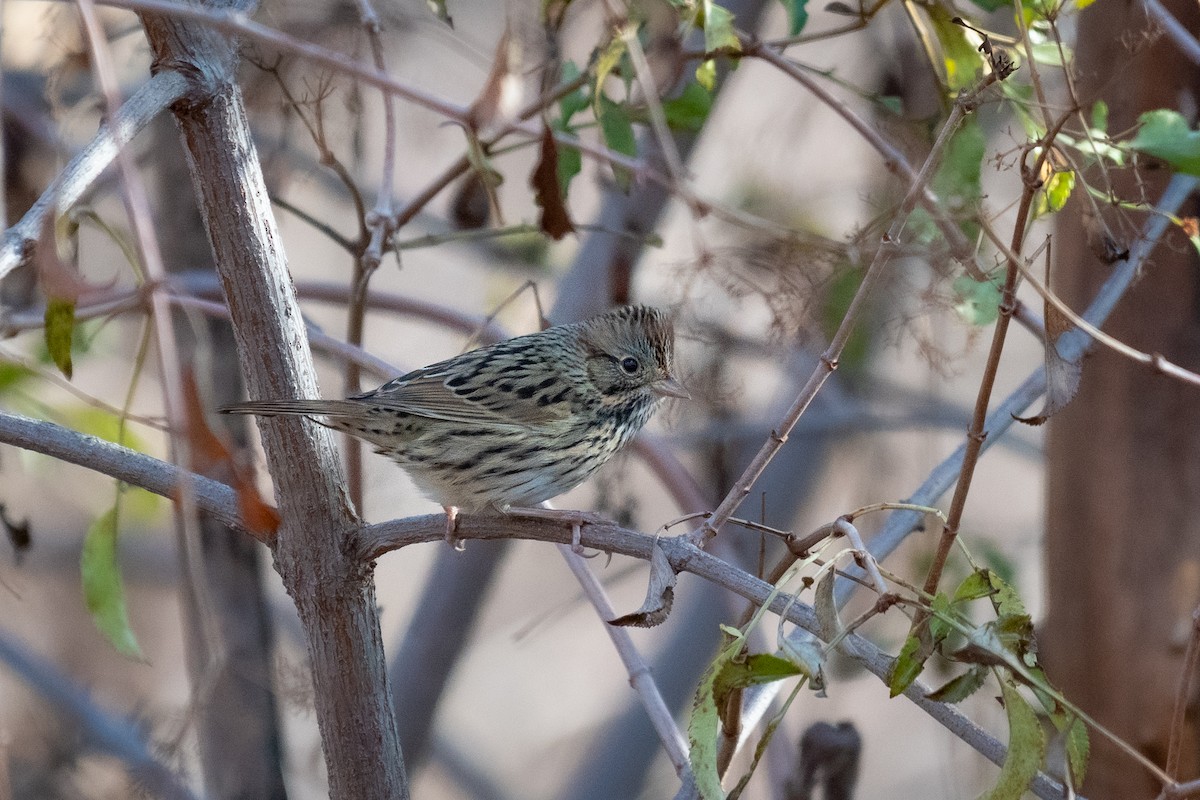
576 519
452 528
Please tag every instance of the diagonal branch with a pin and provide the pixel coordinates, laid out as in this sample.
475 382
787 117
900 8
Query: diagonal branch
151 98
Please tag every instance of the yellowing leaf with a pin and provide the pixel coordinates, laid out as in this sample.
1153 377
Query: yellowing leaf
102 588
605 64
1026 747
962 62
718 28
59 328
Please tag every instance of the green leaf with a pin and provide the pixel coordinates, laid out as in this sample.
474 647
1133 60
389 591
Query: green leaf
1100 116
943 611
727 671
605 64
102 589
570 164
1052 54
1026 747
991 5
962 62
103 425
1055 193
976 585
978 301
618 136
60 325
961 687
718 28
854 362
571 104
1079 750
12 375
1165 134
689 111
797 15
906 667
706 74
1005 599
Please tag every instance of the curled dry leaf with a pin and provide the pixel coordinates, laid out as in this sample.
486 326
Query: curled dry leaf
554 221
212 458
659 595
1062 374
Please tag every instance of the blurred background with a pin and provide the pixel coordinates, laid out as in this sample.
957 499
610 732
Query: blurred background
513 687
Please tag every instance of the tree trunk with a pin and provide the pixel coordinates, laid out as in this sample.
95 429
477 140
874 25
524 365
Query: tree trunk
1123 532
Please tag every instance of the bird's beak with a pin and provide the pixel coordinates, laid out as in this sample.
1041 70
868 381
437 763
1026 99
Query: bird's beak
669 387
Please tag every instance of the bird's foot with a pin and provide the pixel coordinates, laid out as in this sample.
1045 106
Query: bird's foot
576 519
452 529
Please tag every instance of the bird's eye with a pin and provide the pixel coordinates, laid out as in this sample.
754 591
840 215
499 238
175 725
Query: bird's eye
629 365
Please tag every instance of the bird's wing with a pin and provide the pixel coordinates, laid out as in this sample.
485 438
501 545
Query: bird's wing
424 393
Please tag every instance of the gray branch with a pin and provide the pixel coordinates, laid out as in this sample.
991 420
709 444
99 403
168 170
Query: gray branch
100 728
152 97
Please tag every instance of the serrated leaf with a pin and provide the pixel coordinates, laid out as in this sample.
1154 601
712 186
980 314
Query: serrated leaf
1079 750
1165 134
906 667
976 585
59 327
702 737
961 687
102 588
939 625
978 301
1026 747
754 670
725 673
689 111
617 129
1005 600
797 12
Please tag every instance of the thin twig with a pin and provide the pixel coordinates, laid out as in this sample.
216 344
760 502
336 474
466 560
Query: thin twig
101 729
977 432
829 359
641 677
1183 697
151 99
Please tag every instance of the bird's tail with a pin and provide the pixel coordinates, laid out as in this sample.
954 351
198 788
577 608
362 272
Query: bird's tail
332 409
